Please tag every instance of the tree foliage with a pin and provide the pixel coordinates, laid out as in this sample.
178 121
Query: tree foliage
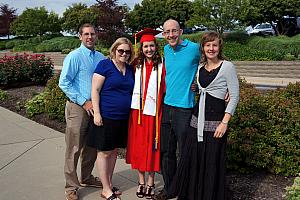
218 15
76 15
109 21
7 16
36 21
153 13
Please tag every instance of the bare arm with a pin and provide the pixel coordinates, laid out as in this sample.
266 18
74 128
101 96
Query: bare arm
97 83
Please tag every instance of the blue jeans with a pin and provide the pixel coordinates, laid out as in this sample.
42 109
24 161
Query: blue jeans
174 126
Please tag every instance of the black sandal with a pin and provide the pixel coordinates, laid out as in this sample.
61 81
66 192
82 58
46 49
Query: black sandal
140 191
116 191
111 197
149 194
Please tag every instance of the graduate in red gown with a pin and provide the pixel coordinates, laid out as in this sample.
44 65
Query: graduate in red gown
143 148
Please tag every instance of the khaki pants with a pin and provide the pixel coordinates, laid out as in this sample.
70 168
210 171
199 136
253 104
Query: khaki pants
75 138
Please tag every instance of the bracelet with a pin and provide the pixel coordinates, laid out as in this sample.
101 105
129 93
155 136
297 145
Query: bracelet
223 122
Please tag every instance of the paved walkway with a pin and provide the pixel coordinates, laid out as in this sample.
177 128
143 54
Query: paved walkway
32 159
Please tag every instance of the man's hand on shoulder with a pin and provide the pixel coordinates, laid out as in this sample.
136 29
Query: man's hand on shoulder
88 106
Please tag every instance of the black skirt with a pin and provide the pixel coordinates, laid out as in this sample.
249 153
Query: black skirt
201 170
112 135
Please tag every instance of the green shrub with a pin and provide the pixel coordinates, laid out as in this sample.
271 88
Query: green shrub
237 36
2 44
66 51
55 100
12 43
36 105
51 101
237 51
58 44
293 192
264 132
35 69
24 47
3 95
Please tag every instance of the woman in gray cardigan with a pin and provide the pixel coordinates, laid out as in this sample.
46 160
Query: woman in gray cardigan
201 170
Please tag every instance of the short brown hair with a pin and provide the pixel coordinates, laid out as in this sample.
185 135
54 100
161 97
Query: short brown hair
84 26
118 42
209 37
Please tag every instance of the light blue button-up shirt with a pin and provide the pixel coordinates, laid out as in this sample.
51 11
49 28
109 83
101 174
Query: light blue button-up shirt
77 72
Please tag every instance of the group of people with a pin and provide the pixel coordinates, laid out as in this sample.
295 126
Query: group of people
146 103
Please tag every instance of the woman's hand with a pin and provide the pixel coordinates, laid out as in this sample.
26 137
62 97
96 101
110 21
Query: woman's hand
194 87
98 119
221 130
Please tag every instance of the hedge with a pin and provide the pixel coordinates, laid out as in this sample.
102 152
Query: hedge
264 132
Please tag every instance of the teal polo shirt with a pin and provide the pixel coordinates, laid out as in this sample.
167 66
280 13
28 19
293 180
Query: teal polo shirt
181 65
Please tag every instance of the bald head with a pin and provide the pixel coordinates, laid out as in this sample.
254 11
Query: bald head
172 32
171 22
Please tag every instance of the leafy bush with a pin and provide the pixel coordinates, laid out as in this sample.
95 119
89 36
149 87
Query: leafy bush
3 95
237 51
51 101
36 105
35 69
264 132
293 192
12 43
66 51
58 44
55 100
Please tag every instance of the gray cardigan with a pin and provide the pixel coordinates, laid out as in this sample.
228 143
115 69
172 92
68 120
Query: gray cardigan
226 79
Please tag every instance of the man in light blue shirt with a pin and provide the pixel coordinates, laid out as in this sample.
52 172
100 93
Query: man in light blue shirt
76 82
181 62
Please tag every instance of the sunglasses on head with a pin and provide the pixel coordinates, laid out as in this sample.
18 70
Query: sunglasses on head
122 51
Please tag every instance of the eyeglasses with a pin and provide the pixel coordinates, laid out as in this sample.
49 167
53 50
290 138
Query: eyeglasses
122 51
173 31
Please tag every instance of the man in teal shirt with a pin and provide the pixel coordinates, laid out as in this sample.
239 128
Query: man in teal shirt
181 62
76 82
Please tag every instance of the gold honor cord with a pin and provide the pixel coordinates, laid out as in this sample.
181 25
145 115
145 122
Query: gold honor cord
141 108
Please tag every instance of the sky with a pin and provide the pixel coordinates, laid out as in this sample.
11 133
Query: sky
58 6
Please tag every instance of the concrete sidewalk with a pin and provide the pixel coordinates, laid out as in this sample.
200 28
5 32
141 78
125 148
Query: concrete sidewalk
32 160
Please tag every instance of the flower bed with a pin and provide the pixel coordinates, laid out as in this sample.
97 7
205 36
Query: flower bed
25 69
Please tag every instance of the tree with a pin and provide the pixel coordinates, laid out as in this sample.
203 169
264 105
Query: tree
218 15
36 21
76 15
110 19
7 16
179 10
153 13
150 14
274 11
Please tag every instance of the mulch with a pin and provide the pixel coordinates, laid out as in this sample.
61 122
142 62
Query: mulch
259 185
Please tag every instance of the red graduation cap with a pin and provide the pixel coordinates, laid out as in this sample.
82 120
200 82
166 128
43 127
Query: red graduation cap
147 34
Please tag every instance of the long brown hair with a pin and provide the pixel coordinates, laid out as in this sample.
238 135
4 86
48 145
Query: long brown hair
208 37
156 59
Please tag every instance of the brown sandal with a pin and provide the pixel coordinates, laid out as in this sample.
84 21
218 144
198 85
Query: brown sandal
140 193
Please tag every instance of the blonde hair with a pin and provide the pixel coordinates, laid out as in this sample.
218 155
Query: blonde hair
118 42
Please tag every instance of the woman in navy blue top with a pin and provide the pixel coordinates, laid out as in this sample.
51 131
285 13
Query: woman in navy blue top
112 87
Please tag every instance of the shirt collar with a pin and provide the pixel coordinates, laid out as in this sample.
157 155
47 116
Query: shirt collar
184 43
86 50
